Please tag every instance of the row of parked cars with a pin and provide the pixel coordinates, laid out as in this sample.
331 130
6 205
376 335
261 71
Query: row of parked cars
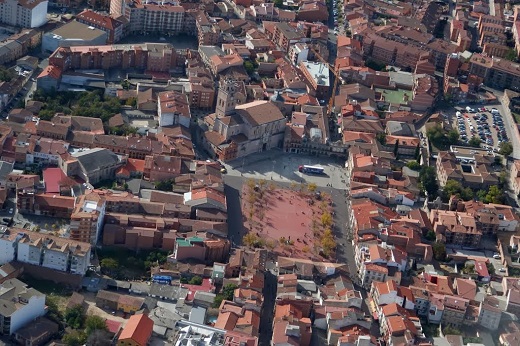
498 124
336 16
482 128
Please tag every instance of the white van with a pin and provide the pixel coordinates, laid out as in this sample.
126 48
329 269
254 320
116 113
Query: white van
494 111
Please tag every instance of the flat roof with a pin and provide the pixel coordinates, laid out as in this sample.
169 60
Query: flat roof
77 30
318 71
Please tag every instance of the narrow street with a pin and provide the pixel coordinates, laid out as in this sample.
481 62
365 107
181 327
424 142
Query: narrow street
344 252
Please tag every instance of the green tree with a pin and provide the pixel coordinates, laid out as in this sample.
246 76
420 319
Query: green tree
435 133
396 148
250 68
506 148
439 251
6 74
374 65
511 55
491 268
131 101
381 137
94 322
75 338
454 188
428 180
109 264
75 317
467 194
226 294
53 311
164 185
252 240
503 179
196 280
430 235
475 142
413 165
453 136
468 269
493 195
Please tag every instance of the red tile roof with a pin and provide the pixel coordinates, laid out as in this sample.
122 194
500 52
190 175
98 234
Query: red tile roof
52 178
138 328
51 71
113 326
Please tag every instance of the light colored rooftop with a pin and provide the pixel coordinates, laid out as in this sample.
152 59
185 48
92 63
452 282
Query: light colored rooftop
77 30
318 71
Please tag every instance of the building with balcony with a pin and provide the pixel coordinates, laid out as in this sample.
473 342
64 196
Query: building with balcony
86 222
45 250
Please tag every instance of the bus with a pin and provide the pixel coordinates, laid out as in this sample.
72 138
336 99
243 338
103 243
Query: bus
310 169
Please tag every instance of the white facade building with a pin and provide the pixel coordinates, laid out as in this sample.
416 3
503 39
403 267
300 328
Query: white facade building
44 250
173 108
24 13
19 305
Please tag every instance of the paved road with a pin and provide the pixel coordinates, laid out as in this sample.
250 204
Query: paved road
511 127
266 321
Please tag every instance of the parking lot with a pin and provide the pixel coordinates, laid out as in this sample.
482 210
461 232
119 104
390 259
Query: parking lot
485 124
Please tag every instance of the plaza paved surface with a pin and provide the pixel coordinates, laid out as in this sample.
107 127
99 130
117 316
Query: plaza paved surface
283 169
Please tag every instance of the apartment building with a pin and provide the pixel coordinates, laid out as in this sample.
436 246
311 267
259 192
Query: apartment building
496 72
454 310
490 313
284 35
146 17
391 52
367 216
379 264
473 172
203 93
45 250
87 219
457 228
18 45
24 13
207 32
155 57
111 26
385 293
21 305
317 75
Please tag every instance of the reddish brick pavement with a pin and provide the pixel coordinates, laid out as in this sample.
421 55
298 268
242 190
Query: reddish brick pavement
289 215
